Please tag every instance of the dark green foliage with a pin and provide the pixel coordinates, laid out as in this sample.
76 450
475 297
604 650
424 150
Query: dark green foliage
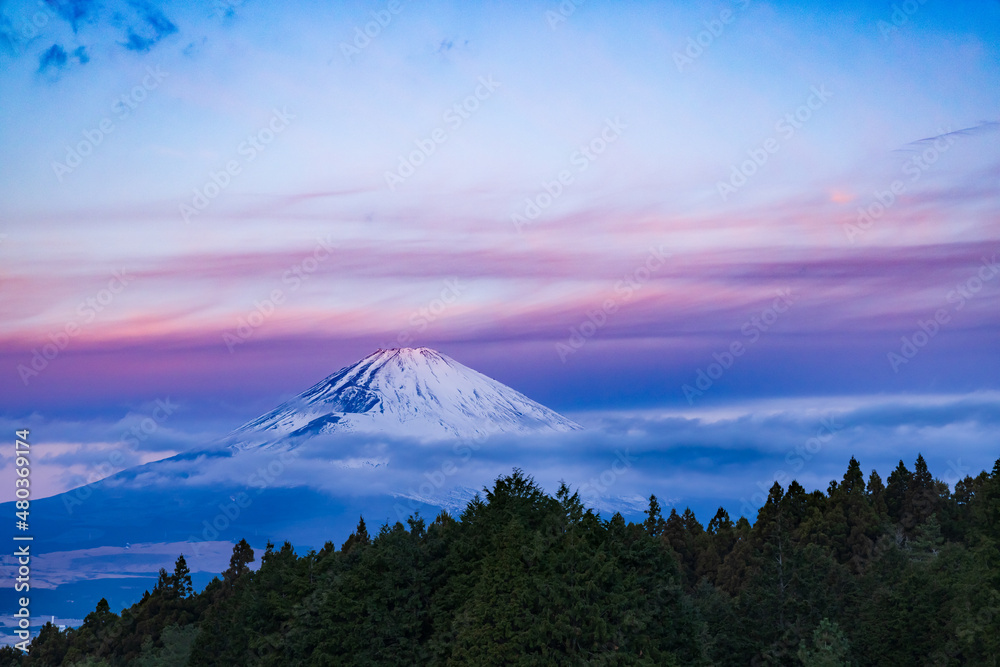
829 647
175 650
358 538
906 573
180 582
654 518
239 563
897 490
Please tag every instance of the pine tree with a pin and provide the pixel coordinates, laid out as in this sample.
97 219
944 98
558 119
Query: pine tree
572 506
860 525
922 478
735 565
101 618
795 505
720 523
854 479
876 495
358 538
180 582
921 498
654 518
162 584
239 562
896 491
714 545
691 524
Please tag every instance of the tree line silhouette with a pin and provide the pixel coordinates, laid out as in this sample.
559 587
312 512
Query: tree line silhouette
905 572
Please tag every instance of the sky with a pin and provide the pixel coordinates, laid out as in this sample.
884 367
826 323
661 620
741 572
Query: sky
719 223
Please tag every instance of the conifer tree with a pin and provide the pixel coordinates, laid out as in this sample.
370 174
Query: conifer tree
896 491
162 584
358 538
920 500
101 618
714 545
720 523
854 479
239 562
857 523
876 495
180 582
654 518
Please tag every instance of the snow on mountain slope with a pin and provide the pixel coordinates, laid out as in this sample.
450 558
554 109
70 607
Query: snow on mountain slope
403 391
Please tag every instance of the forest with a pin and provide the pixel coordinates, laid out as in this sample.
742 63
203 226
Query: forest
901 572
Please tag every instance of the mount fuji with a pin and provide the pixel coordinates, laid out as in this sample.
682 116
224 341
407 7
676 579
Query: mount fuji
415 392
364 441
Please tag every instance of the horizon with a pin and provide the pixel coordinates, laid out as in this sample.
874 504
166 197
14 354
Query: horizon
817 467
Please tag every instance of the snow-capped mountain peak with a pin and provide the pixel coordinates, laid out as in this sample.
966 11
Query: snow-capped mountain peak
415 392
